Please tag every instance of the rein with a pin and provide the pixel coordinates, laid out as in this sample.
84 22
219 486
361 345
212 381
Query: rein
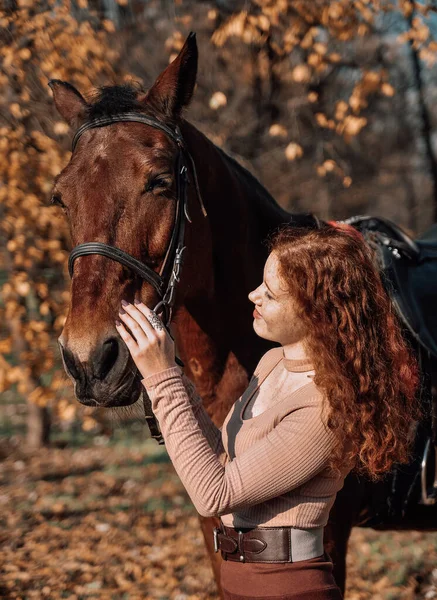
164 282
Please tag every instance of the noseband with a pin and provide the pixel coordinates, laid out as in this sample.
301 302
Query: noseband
165 281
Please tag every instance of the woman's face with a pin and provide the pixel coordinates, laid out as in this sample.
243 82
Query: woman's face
275 316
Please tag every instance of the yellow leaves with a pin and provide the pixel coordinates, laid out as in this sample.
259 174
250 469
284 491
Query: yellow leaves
293 151
249 28
217 100
22 288
314 59
50 44
321 171
17 374
277 130
5 345
61 128
335 10
301 73
108 25
260 21
418 35
324 122
88 423
16 110
41 396
321 119
234 26
12 246
65 410
341 109
420 29
24 54
320 48
334 57
308 39
387 89
329 165
353 125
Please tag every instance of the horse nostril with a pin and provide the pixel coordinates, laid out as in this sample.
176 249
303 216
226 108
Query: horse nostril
69 361
107 358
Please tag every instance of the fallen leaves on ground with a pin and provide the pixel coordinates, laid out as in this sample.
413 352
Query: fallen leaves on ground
116 523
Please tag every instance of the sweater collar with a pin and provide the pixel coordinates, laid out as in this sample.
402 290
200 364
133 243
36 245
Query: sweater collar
297 365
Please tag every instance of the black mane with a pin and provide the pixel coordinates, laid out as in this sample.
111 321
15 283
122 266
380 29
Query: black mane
114 99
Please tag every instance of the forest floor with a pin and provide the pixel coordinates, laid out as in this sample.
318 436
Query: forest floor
111 521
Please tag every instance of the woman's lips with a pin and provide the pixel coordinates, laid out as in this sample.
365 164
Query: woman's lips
256 314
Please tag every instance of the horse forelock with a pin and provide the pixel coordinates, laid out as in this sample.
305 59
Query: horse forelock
109 100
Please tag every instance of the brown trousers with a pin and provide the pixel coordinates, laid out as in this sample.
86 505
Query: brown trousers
310 579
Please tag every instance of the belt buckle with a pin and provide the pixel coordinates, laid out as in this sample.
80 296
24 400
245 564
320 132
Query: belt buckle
215 533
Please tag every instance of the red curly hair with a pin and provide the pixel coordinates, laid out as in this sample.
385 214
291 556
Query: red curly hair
362 362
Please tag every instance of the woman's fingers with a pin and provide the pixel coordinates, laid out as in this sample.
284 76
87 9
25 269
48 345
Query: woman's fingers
126 336
139 326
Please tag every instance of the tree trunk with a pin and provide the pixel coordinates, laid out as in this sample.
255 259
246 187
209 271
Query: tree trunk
425 126
38 426
38 417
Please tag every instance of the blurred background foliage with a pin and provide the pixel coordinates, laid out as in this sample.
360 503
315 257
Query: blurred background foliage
328 103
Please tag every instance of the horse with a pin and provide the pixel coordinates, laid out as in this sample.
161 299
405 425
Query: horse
145 192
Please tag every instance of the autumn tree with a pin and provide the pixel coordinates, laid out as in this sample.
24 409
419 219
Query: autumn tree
36 39
311 44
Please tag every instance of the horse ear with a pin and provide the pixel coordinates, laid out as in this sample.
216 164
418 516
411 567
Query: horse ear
173 89
69 102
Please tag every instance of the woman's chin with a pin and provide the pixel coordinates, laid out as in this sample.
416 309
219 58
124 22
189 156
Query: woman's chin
260 330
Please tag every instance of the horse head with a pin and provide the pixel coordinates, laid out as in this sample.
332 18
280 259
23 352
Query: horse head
119 189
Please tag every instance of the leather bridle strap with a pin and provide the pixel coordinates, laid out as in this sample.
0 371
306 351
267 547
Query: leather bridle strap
164 282
175 135
118 255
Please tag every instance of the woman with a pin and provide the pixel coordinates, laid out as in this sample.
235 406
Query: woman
339 392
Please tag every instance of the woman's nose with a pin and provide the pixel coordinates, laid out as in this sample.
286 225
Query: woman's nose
253 296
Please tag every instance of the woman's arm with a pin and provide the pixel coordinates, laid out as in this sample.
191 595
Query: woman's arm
291 454
211 432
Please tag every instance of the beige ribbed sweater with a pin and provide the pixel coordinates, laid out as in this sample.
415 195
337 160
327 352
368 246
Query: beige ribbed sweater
268 470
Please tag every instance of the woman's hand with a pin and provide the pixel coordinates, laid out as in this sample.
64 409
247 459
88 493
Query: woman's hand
151 348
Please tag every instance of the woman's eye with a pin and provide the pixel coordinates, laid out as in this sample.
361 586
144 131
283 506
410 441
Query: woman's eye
267 295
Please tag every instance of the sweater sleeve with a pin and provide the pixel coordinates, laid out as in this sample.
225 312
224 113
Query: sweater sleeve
290 455
208 428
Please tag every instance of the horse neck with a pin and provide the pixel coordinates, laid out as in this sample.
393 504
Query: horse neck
226 251
228 188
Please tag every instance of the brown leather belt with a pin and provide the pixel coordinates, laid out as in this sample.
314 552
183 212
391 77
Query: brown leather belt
268 544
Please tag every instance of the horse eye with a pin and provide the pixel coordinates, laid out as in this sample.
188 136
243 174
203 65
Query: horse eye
158 182
57 200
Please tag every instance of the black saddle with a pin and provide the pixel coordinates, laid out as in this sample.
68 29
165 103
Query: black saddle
410 274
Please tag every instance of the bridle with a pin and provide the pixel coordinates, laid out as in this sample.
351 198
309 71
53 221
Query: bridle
165 281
